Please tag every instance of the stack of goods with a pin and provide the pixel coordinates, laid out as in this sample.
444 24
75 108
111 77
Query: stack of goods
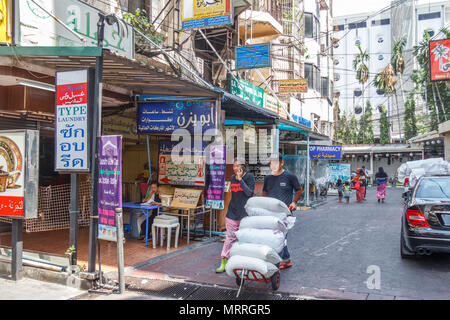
261 237
413 170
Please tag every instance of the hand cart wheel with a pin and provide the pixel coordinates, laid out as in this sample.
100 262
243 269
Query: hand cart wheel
275 280
239 281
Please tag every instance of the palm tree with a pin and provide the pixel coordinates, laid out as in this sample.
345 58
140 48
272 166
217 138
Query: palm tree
360 66
385 81
398 63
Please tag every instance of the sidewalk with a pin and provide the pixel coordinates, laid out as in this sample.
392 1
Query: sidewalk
29 289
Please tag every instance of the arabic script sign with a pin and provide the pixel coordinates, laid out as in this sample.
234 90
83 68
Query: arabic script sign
294 85
253 56
325 152
206 13
247 91
187 174
109 185
165 117
35 27
215 195
440 60
72 120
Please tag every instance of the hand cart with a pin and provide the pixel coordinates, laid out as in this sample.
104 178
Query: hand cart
252 275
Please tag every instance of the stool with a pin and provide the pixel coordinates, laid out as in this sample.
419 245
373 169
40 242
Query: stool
169 227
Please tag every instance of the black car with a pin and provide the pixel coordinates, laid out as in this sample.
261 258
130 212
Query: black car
426 217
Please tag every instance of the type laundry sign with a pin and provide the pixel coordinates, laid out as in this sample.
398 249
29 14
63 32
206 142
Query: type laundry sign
74 92
109 185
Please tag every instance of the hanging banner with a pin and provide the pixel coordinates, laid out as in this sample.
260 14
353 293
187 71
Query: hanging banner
295 85
215 195
167 116
253 56
325 152
206 13
74 92
190 173
440 60
339 171
109 185
19 172
35 27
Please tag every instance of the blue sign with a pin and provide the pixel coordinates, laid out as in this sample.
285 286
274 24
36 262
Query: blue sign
325 152
301 120
339 171
253 56
165 117
207 22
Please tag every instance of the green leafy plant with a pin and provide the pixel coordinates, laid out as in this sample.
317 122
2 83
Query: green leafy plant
70 251
384 127
141 22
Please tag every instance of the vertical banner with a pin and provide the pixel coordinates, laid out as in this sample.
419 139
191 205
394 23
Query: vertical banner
109 185
215 196
440 60
74 93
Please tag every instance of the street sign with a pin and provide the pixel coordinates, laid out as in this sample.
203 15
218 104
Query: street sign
325 152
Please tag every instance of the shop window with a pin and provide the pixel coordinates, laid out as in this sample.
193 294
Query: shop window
430 32
312 27
324 89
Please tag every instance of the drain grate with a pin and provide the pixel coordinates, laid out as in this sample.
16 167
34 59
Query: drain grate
208 293
165 289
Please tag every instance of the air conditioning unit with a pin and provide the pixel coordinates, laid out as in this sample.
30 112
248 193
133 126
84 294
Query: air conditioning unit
219 67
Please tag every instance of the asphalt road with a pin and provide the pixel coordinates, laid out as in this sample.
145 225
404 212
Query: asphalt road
342 246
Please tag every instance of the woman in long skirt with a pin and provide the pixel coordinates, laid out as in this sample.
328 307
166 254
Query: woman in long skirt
361 177
381 178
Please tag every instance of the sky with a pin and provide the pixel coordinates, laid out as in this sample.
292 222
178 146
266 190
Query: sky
347 7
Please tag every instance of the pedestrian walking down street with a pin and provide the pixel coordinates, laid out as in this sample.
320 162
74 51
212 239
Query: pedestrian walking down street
340 187
366 173
242 187
381 178
360 182
281 185
347 191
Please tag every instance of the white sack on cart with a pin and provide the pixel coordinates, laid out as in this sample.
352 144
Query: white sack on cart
264 222
290 221
268 203
259 251
272 238
251 211
267 269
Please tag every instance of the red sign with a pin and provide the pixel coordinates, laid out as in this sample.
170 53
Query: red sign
11 206
68 94
440 60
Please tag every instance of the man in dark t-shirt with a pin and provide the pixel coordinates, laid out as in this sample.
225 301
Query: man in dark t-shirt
281 185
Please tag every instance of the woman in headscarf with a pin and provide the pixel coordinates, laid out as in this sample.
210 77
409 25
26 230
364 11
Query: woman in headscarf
381 178
361 177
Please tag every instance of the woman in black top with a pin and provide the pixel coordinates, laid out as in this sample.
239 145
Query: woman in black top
242 187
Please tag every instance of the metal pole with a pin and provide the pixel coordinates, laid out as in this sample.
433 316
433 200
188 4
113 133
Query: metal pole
120 259
17 250
95 133
149 162
307 171
73 238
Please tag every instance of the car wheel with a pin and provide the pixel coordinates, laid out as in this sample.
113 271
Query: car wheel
405 253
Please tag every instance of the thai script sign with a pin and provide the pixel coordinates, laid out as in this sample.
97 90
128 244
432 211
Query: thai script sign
34 27
440 60
186 173
165 117
295 85
215 195
253 56
19 171
206 13
247 91
72 122
109 185
325 152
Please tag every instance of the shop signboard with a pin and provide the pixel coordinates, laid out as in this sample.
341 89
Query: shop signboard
296 112
325 152
35 27
247 91
249 132
185 173
215 195
74 92
293 86
339 171
206 13
167 116
440 60
253 56
117 125
271 103
19 173
109 185
6 21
